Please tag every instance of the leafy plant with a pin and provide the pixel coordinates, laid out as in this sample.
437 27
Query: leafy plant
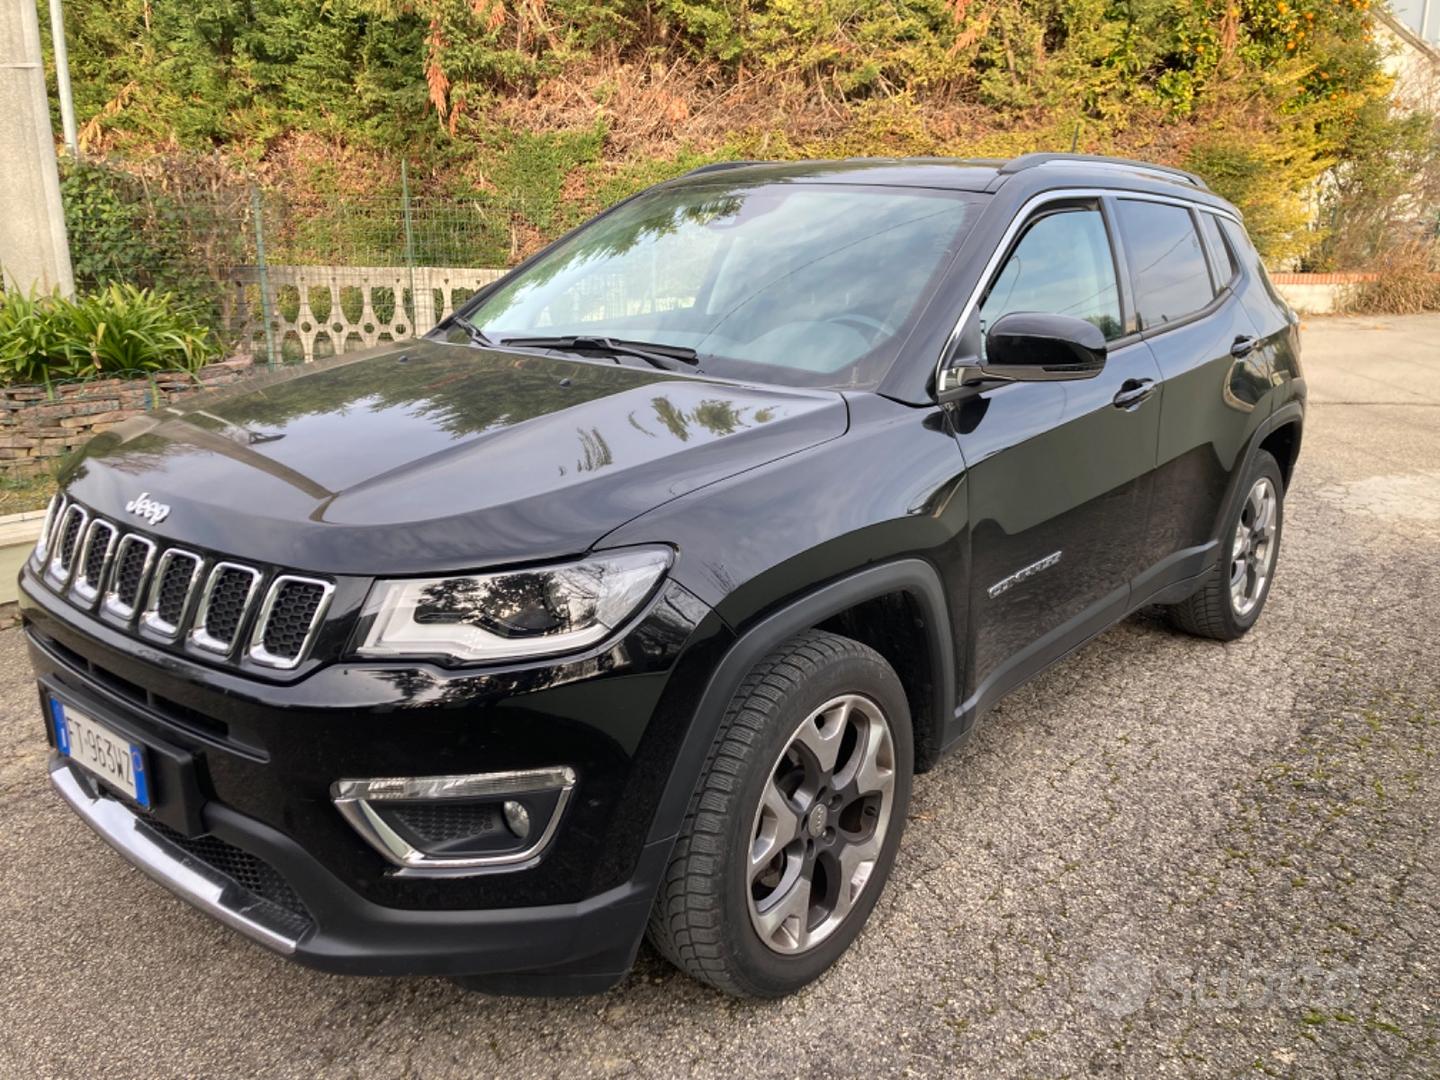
33 342
116 331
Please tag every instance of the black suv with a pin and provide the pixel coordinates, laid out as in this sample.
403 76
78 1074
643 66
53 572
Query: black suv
635 594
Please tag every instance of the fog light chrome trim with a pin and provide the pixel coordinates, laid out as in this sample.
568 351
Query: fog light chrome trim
353 798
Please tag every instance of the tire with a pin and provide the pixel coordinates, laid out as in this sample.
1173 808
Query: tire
1218 609
823 691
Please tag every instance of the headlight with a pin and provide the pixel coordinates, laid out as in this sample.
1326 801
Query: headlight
512 615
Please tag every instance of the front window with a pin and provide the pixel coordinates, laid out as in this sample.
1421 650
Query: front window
1061 266
795 283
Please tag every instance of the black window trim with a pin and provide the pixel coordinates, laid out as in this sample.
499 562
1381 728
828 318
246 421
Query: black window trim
1218 259
1023 215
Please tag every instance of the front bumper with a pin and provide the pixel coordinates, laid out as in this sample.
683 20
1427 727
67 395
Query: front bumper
581 947
243 826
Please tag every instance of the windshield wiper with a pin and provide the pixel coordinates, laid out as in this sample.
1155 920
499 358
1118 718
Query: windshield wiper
666 357
477 336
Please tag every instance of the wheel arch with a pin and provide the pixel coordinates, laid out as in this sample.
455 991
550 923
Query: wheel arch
832 606
1281 430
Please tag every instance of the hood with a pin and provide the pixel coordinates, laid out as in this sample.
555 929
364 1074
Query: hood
437 457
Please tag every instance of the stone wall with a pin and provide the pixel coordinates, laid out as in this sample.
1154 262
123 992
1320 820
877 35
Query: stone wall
40 424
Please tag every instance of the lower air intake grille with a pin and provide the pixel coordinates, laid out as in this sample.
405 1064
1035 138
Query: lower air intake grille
249 872
445 820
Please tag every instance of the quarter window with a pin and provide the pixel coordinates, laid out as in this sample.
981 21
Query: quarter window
1167 263
1061 266
1219 249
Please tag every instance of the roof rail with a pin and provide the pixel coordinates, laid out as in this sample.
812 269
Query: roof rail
717 166
1164 172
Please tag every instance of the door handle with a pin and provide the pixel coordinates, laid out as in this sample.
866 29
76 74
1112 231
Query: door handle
1242 347
1133 392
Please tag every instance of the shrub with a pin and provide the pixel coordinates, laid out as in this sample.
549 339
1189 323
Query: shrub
118 330
1407 284
122 229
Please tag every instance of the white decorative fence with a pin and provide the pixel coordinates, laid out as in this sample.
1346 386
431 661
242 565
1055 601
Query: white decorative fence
319 311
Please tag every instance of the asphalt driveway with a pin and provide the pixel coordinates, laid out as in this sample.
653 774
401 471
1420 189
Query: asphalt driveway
1166 856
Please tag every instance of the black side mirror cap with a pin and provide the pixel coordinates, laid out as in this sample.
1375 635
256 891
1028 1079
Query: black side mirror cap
1030 346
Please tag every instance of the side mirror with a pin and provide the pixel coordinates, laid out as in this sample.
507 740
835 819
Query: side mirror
1030 346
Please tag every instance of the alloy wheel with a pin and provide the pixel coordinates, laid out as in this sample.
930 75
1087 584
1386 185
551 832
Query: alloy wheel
821 824
1252 556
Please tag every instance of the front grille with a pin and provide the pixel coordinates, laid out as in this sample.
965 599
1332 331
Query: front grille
90 556
249 872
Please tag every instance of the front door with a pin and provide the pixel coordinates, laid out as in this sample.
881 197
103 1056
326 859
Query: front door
1058 472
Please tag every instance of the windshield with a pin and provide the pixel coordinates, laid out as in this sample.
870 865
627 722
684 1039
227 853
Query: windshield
801 284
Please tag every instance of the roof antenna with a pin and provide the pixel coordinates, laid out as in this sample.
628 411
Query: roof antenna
1075 139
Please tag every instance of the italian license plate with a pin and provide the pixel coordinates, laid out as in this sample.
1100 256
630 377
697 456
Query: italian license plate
94 747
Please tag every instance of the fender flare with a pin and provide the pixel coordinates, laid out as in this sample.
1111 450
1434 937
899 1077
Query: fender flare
915 577
1292 412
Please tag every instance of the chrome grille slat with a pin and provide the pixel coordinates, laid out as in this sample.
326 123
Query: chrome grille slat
285 629
89 559
170 590
66 542
134 559
222 609
53 513
94 561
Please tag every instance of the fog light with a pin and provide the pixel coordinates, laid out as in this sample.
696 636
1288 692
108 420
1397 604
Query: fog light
457 824
518 818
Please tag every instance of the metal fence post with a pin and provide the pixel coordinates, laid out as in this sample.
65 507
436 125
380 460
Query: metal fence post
257 208
410 248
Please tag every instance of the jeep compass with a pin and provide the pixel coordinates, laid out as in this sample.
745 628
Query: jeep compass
630 599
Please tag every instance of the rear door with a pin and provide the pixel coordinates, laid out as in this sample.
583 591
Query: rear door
1058 472
1190 314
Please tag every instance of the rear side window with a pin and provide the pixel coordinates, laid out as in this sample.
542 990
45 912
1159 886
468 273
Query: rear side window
1245 251
1061 266
1167 263
1219 249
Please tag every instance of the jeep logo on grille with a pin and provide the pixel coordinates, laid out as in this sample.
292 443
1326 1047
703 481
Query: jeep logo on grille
144 506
